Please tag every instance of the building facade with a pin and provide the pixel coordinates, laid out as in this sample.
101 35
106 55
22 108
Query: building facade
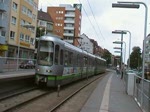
4 25
22 28
85 44
44 22
147 51
67 21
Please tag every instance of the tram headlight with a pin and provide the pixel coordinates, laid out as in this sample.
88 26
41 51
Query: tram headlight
49 71
38 69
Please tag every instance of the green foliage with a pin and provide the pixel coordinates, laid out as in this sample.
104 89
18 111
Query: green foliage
135 58
39 32
107 57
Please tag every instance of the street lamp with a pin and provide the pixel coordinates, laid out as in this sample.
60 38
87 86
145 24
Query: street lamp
117 48
119 42
125 5
117 51
136 5
120 32
129 44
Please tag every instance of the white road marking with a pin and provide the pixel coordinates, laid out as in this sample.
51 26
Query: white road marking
105 101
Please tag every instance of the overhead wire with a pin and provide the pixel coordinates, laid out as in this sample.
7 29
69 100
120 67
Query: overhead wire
95 19
89 20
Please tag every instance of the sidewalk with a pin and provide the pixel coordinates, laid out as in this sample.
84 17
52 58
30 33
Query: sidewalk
110 96
20 73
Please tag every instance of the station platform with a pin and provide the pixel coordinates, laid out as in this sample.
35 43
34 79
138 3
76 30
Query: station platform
17 74
110 96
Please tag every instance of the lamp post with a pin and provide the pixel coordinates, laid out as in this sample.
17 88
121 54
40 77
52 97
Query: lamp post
129 45
120 32
119 42
136 5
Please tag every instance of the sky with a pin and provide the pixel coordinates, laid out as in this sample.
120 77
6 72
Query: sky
99 19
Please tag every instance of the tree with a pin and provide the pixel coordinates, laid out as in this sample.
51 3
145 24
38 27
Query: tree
39 32
135 58
107 56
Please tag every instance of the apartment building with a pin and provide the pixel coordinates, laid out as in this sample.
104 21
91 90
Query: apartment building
44 22
147 51
67 21
85 43
22 28
4 25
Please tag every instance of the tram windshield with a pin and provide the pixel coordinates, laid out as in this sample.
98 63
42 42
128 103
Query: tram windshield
45 53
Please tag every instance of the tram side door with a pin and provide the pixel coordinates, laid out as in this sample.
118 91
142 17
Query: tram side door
58 60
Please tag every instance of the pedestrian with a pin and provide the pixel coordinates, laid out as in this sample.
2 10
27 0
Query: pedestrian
122 69
117 70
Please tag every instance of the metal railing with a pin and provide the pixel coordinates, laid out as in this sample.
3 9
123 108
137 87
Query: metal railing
142 93
14 64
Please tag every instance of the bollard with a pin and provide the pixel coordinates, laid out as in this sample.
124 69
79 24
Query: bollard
58 90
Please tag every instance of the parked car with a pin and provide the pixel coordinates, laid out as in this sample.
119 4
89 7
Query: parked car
27 64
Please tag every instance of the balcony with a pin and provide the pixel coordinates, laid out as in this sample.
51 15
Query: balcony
70 9
69 21
70 15
68 28
3 7
2 40
68 34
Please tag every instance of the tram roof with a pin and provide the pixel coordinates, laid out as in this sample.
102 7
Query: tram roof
56 38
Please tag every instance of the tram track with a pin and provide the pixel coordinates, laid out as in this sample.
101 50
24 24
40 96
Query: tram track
15 93
54 109
47 98
11 103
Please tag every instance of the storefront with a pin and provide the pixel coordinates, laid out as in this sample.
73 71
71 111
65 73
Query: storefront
3 49
23 52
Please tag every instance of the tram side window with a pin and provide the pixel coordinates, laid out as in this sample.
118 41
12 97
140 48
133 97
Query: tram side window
56 54
61 57
70 55
85 61
66 58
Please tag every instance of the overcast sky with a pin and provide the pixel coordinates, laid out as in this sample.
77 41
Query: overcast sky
107 19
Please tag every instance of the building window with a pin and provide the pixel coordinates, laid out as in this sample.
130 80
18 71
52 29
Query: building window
12 34
22 22
3 33
11 52
27 38
29 13
32 41
61 12
24 10
21 36
15 6
13 20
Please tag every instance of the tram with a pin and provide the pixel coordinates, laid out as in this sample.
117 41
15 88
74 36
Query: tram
59 63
